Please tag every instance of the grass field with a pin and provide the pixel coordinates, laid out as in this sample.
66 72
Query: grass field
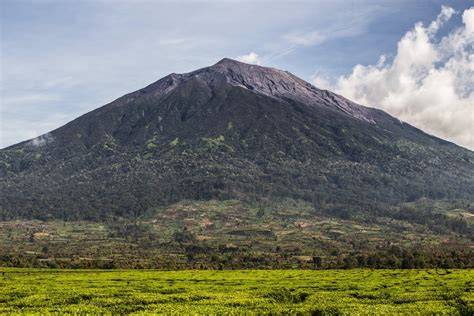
331 292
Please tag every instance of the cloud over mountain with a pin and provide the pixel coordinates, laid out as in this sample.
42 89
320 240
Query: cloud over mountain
428 83
251 58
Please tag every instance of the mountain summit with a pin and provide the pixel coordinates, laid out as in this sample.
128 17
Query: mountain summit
228 131
268 81
283 85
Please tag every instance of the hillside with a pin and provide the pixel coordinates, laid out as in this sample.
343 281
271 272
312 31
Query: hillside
229 131
236 166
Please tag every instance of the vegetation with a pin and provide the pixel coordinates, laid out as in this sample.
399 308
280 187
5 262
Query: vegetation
335 292
234 235
203 138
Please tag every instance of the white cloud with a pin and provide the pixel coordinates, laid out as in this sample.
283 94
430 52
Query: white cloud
20 129
445 14
468 19
41 140
305 39
429 83
316 37
345 24
251 58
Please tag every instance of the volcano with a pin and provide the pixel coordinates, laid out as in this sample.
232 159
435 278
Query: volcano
229 131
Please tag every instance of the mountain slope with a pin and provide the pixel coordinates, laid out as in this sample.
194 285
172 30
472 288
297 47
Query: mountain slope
231 130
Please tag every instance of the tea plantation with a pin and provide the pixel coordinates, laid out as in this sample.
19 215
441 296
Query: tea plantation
315 292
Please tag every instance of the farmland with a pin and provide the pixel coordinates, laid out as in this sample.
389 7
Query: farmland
237 235
317 292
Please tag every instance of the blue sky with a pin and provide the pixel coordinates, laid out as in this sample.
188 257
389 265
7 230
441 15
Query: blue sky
60 59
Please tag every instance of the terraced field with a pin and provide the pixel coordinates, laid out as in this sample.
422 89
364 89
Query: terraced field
238 235
330 292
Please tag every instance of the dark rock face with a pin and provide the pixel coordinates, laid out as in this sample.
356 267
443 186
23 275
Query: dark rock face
231 130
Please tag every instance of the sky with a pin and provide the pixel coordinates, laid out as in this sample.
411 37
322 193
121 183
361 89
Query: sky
414 59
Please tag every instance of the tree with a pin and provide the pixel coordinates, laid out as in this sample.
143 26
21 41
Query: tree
184 236
317 262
